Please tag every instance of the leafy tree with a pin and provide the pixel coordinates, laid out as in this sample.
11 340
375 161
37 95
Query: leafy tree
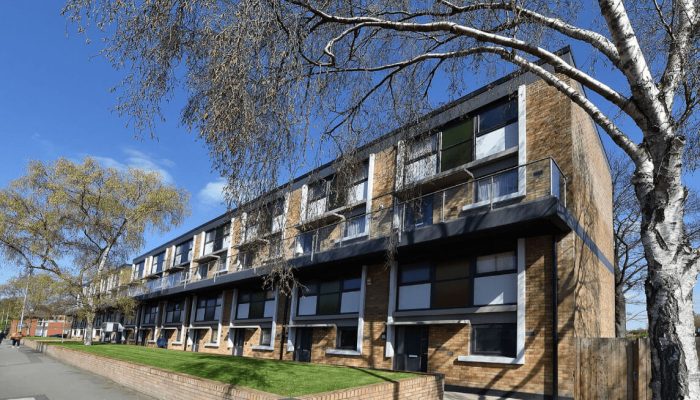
261 73
74 221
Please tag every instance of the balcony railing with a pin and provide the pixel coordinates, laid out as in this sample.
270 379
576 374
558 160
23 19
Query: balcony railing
532 181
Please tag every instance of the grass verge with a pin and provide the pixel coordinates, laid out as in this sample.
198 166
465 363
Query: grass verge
279 377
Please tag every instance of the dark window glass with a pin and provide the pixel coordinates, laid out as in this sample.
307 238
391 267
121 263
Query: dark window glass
451 294
497 116
208 309
158 261
457 145
415 273
183 252
418 212
149 316
347 338
318 190
494 339
139 269
173 312
451 270
329 303
329 293
256 301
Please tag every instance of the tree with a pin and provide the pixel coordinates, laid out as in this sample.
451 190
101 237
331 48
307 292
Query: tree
46 296
74 221
630 263
261 73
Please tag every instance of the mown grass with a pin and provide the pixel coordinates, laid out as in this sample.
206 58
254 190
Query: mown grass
279 377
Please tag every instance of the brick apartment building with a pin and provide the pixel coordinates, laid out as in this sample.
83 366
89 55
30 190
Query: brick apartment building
45 327
490 199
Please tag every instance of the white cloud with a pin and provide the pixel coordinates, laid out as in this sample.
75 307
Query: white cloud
212 194
138 159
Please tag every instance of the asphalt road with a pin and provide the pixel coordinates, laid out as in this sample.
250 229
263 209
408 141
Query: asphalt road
26 374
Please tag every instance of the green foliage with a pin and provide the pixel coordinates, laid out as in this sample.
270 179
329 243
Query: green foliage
281 377
637 334
77 221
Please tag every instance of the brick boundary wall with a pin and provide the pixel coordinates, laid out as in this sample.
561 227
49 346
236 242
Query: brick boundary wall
163 384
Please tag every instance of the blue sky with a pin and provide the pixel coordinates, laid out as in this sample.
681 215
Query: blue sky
55 101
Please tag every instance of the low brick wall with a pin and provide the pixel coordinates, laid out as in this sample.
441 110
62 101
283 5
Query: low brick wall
169 385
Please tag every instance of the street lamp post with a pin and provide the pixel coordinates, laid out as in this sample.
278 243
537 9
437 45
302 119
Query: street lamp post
24 302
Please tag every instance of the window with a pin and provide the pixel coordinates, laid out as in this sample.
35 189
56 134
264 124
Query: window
255 304
496 280
246 259
497 128
499 185
357 186
265 336
421 159
158 261
173 312
346 337
149 315
208 309
497 116
277 215
424 285
139 268
457 145
274 247
183 252
178 334
330 297
355 223
304 243
217 238
494 340
418 212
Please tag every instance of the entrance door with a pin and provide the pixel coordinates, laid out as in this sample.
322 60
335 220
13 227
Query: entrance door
195 339
302 345
411 348
238 341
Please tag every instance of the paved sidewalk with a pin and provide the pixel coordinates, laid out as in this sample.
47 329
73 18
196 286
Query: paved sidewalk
26 374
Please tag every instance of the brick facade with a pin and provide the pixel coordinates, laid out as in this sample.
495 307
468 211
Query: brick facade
555 134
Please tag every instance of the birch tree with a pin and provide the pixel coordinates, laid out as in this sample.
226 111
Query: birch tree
75 221
270 80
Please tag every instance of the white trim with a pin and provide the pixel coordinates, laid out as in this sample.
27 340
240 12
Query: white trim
273 328
433 322
370 192
234 304
522 138
361 311
522 291
495 199
291 336
304 198
400 160
259 347
389 347
221 318
342 352
489 359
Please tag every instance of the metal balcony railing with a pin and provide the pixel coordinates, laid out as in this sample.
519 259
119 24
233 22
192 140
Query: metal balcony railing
522 183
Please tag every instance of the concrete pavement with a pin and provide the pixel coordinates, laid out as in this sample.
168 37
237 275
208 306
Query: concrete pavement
26 374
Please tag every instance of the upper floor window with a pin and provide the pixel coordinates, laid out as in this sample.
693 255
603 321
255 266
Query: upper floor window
336 191
157 263
183 252
149 315
217 239
140 266
208 309
255 304
488 131
276 220
340 296
496 279
434 286
174 312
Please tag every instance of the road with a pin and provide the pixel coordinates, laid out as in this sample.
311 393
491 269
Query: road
26 375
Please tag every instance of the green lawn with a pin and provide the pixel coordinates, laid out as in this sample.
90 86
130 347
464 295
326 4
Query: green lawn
45 339
280 377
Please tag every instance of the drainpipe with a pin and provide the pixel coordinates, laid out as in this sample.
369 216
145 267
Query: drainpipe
555 317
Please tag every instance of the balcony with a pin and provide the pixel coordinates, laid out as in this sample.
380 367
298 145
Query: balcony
523 195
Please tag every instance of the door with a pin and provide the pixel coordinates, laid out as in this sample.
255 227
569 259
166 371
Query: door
238 341
302 345
195 339
411 348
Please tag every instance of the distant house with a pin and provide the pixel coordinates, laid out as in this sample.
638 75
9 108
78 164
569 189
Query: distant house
45 327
